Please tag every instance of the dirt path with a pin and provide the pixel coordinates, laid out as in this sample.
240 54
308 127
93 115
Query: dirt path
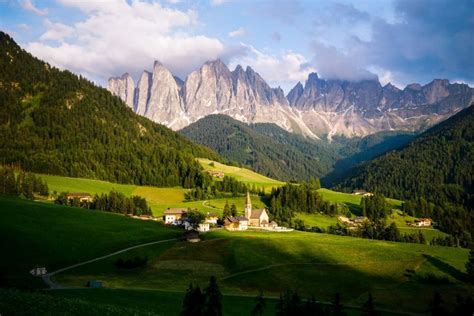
53 285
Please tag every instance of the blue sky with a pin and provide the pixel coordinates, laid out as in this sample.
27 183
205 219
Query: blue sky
398 41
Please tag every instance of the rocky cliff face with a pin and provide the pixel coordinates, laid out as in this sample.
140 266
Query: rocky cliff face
319 108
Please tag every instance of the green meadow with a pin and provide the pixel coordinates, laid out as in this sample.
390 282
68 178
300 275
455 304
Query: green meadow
320 264
35 233
241 174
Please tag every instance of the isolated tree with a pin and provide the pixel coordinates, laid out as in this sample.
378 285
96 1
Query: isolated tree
227 211
259 307
368 309
337 306
436 306
213 305
193 302
470 266
233 210
195 218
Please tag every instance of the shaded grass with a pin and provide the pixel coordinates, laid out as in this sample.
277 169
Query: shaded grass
318 264
34 233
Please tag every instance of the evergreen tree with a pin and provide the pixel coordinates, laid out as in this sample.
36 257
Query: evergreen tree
337 308
213 304
436 306
470 266
193 302
233 210
368 309
227 211
259 307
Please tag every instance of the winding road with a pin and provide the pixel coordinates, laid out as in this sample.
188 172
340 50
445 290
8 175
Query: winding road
53 285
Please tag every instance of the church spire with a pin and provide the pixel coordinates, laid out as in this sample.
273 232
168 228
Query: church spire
248 205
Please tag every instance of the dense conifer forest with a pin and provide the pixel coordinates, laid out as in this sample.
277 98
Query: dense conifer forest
55 122
433 173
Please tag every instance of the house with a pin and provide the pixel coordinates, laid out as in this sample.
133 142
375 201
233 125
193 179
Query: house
38 271
203 227
83 197
256 217
174 216
211 219
236 223
362 192
216 173
423 222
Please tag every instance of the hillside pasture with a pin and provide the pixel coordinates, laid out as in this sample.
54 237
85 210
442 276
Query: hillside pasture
319 264
241 174
39 234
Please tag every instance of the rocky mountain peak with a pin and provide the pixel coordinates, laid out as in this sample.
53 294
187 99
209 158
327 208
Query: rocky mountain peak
319 107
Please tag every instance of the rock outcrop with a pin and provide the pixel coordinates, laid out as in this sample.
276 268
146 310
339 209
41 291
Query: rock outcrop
319 108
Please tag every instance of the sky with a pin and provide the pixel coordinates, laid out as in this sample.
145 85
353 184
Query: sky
398 41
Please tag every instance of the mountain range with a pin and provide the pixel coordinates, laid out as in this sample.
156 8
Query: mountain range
320 108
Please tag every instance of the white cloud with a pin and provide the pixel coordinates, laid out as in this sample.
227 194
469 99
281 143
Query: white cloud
23 26
284 69
240 32
117 37
218 2
29 5
56 31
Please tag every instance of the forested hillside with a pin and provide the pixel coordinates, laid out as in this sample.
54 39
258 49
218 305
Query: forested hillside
265 148
54 122
436 167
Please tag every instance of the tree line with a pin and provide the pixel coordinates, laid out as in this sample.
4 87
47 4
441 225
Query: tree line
115 202
24 184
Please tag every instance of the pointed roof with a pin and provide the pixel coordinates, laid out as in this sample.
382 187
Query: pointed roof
248 201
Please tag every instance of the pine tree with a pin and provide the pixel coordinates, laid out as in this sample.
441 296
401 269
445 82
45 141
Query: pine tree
337 306
227 212
233 210
470 266
213 305
368 309
259 308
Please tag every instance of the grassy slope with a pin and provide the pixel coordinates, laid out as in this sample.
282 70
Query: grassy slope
312 263
33 233
242 174
162 198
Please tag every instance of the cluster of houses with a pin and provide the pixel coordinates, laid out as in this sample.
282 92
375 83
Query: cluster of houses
215 173
352 222
255 218
421 222
178 217
362 192
81 196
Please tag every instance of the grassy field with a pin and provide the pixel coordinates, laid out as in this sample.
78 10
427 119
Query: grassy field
242 174
317 264
34 233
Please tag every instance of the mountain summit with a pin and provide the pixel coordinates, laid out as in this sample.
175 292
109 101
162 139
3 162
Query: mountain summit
319 108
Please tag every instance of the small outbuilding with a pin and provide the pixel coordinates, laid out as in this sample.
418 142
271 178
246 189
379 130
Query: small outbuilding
192 235
94 284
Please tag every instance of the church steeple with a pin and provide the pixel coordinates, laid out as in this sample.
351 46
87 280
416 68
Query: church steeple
248 205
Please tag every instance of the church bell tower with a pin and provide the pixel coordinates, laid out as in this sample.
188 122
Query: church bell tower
248 206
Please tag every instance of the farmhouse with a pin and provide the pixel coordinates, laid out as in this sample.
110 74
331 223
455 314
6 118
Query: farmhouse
211 219
236 223
38 271
83 197
257 217
174 216
362 192
426 222
216 173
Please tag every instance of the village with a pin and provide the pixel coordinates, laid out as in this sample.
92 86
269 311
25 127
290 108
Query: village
252 218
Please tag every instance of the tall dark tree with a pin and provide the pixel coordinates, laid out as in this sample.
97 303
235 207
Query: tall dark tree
470 266
337 307
193 302
436 306
368 309
213 304
227 211
260 304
